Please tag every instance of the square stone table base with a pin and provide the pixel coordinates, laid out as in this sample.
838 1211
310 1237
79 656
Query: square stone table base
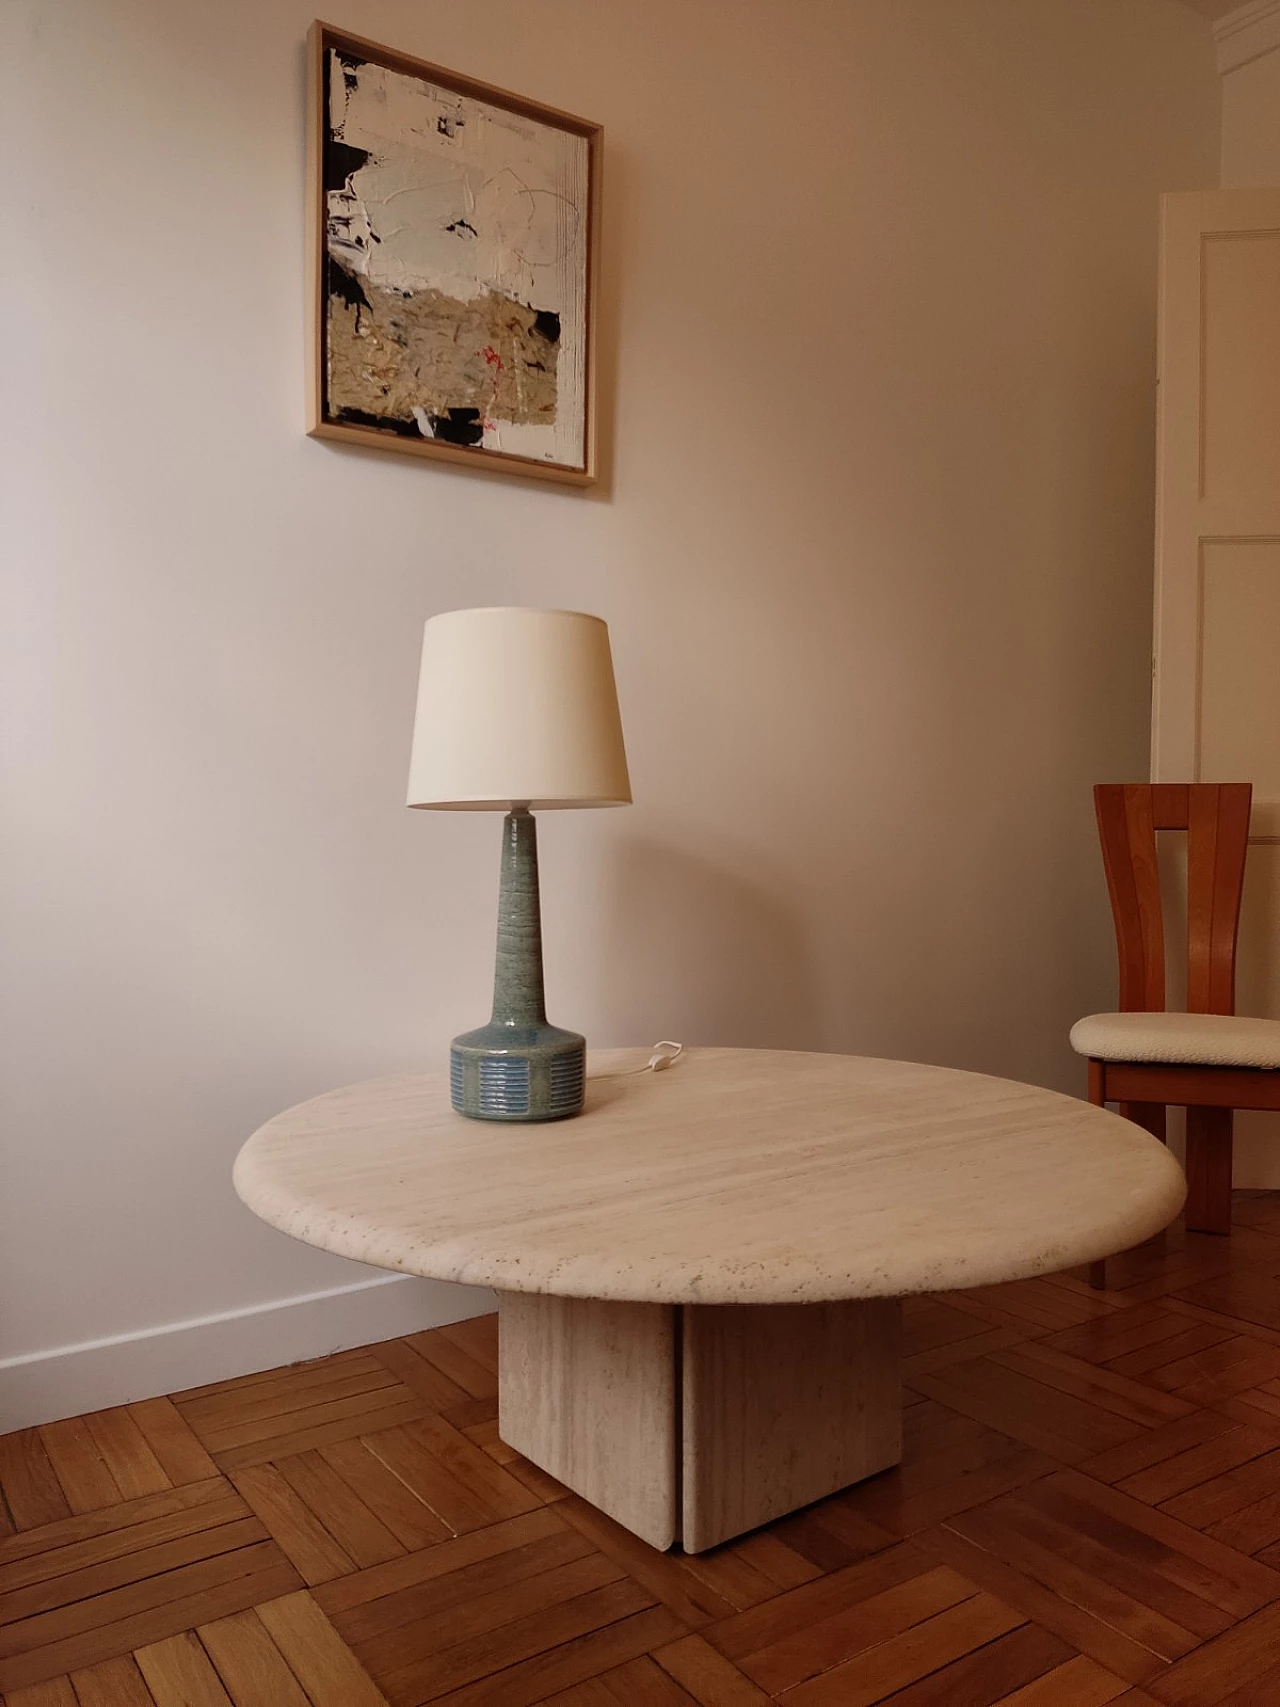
693 1423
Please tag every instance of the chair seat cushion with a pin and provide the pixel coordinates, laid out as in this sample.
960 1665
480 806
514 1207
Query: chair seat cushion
1200 1040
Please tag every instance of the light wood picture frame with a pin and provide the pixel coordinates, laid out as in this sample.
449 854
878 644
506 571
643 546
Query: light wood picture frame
453 236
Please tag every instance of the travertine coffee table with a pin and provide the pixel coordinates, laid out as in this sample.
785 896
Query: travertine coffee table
699 1276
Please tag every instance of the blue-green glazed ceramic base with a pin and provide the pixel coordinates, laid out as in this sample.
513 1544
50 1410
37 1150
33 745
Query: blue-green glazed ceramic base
502 1072
518 1067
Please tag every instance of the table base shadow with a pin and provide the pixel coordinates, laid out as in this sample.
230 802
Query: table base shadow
694 1423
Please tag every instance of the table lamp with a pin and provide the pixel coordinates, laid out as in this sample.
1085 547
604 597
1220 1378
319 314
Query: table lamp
517 712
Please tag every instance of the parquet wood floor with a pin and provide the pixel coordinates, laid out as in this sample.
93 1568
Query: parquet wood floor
1088 1511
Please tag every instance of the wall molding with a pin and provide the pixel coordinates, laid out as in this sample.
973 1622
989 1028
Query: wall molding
63 1381
1247 33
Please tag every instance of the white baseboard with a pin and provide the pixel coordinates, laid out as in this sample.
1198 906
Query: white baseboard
67 1380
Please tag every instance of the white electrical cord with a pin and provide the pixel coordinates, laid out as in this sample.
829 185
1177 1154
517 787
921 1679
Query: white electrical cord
664 1053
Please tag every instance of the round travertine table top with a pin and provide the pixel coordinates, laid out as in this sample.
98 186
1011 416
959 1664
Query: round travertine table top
736 1176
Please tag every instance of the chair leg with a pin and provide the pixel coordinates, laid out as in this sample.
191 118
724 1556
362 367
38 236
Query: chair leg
1208 1170
1098 1096
1151 1116
1097 1082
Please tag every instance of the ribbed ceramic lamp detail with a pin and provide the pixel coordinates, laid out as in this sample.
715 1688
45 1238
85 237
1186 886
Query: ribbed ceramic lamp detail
517 712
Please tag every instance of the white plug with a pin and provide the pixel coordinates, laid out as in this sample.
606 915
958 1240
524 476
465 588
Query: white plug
664 1054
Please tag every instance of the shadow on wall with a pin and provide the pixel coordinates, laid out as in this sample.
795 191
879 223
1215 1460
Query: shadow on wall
699 952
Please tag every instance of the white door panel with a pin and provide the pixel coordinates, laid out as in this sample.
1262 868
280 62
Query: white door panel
1216 700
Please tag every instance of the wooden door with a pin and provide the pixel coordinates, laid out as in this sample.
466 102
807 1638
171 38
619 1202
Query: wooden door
1216 701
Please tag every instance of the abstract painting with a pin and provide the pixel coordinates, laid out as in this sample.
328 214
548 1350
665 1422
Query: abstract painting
453 259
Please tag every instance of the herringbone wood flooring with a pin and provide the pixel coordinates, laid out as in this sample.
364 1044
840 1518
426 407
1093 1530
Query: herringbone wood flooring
1088 1511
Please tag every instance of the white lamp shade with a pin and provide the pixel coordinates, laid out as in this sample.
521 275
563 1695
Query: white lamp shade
517 707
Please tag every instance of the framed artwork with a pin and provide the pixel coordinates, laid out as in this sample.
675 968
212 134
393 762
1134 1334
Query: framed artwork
453 258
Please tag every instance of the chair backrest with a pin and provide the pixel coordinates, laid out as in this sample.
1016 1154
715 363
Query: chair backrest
1215 816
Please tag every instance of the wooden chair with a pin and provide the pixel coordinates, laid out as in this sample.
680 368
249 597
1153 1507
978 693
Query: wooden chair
1205 1059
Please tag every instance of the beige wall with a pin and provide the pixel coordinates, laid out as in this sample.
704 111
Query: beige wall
1251 123
874 543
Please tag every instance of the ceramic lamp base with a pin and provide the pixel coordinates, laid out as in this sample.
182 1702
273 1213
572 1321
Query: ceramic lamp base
527 1072
518 1067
